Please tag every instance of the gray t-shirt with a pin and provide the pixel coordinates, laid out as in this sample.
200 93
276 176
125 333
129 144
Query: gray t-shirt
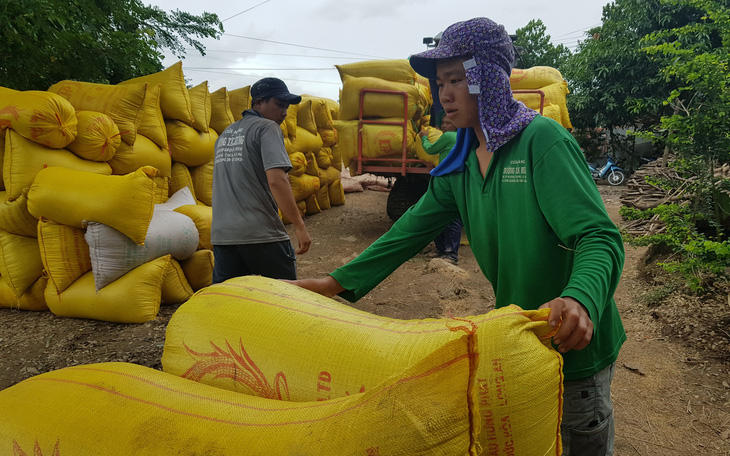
244 210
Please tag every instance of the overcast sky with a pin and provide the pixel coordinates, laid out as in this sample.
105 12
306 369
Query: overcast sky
300 41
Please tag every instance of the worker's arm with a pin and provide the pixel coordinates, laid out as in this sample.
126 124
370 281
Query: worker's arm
281 190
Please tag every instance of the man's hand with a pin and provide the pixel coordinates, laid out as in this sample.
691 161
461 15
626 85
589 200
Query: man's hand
326 286
304 240
576 330
422 133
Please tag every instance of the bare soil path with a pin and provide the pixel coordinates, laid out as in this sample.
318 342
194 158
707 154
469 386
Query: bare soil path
671 391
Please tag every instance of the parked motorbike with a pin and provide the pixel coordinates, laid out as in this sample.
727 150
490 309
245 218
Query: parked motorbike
610 172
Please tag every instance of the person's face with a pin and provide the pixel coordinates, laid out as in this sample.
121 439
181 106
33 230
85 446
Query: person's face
273 109
462 108
447 125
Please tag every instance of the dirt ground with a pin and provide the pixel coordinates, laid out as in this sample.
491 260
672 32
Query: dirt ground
672 385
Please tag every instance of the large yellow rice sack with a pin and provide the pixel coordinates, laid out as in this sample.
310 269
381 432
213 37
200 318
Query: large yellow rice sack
426 409
98 137
202 177
291 121
377 140
331 175
162 189
200 106
220 110
42 117
337 193
144 152
306 141
72 197
226 331
202 215
133 298
398 70
189 146
32 299
152 122
20 261
14 216
175 286
198 269
303 186
554 95
323 197
298 163
305 116
334 108
378 104
64 253
240 100
24 159
323 157
174 97
180 178
122 103
328 135
336 155
534 78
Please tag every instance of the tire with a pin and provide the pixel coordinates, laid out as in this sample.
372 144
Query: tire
406 192
616 177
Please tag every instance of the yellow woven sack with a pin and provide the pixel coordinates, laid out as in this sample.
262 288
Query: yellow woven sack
180 178
14 216
32 299
71 197
189 146
336 156
144 152
321 112
200 105
377 140
303 186
162 189
240 100
220 110
337 193
398 70
305 116
554 95
378 104
298 164
328 135
334 108
331 175
202 177
305 141
312 205
122 103
424 410
174 97
24 159
198 269
175 286
323 157
42 117
133 298
202 215
332 350
98 137
534 78
20 261
64 253
291 121
433 135
323 197
152 123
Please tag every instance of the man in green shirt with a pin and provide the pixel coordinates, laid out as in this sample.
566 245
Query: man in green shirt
533 217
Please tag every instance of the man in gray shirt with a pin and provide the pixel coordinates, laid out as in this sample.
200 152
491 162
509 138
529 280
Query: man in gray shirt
250 185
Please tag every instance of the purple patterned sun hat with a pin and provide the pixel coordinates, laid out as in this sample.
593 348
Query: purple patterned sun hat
489 54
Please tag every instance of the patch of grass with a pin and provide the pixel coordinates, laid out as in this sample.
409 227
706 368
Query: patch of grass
657 295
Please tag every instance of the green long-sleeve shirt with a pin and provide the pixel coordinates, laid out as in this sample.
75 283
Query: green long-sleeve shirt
538 229
442 146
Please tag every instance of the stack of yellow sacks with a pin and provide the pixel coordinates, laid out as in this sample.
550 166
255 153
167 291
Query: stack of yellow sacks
378 140
550 82
305 375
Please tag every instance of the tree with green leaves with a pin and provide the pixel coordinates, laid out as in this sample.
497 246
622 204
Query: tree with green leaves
615 84
102 41
537 50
